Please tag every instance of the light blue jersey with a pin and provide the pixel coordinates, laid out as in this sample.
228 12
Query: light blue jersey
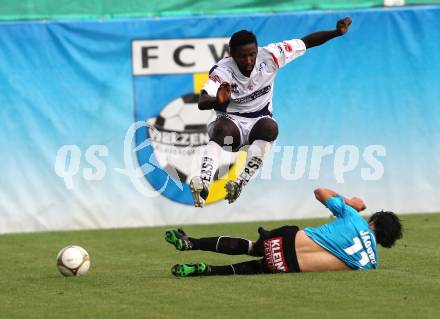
348 237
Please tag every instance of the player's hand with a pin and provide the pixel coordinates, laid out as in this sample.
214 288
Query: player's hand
358 204
224 93
343 25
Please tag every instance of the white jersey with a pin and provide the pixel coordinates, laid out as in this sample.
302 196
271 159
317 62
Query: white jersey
252 96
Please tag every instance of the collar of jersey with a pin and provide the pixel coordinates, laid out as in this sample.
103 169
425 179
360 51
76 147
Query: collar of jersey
240 75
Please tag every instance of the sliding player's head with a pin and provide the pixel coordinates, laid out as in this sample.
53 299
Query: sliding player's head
387 228
243 49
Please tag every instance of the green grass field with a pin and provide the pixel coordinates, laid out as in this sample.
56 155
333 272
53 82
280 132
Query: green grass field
130 278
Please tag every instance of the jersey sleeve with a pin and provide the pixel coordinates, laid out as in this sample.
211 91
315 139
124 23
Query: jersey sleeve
337 206
217 76
286 51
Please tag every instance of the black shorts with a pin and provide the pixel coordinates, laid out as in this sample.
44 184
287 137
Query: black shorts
277 246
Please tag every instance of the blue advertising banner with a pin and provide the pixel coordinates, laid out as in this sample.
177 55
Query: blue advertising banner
100 127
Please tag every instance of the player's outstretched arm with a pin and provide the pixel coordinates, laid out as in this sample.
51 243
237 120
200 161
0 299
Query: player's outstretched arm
318 38
207 102
323 194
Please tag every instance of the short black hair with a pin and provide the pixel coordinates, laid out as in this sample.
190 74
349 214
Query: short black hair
240 38
387 228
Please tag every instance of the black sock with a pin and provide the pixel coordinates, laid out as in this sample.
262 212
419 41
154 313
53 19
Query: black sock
222 244
251 267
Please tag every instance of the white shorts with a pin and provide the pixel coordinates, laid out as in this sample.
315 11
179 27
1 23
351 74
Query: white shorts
244 125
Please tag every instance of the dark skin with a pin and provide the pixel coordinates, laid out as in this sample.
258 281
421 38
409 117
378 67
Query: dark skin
246 56
323 194
318 38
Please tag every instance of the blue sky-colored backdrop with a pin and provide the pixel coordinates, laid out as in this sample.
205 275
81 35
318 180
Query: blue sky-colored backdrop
71 83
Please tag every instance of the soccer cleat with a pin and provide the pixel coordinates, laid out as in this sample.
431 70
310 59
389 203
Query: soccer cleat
233 190
188 270
199 191
178 238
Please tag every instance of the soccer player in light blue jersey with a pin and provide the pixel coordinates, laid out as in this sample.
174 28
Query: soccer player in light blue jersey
347 243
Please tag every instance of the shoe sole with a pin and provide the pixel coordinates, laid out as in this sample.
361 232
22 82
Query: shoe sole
179 271
173 240
230 190
176 270
196 186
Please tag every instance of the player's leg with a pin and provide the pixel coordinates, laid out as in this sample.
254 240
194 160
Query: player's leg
223 132
220 244
261 137
277 257
251 267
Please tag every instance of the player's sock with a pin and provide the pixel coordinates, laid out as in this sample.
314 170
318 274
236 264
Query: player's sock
223 245
199 185
210 162
251 267
254 159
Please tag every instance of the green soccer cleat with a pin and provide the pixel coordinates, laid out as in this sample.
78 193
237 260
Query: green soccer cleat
178 238
233 190
189 270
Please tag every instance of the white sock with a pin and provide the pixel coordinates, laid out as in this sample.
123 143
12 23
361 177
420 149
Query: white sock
254 159
210 162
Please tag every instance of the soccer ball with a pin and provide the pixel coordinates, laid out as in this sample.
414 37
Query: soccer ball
73 261
183 115
179 135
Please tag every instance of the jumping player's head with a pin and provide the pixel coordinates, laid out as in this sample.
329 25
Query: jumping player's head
243 49
387 228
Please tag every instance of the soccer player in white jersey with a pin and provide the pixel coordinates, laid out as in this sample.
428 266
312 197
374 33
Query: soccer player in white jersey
347 243
240 90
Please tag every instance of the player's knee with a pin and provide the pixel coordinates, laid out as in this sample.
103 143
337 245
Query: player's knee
233 245
266 129
272 132
225 133
256 248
